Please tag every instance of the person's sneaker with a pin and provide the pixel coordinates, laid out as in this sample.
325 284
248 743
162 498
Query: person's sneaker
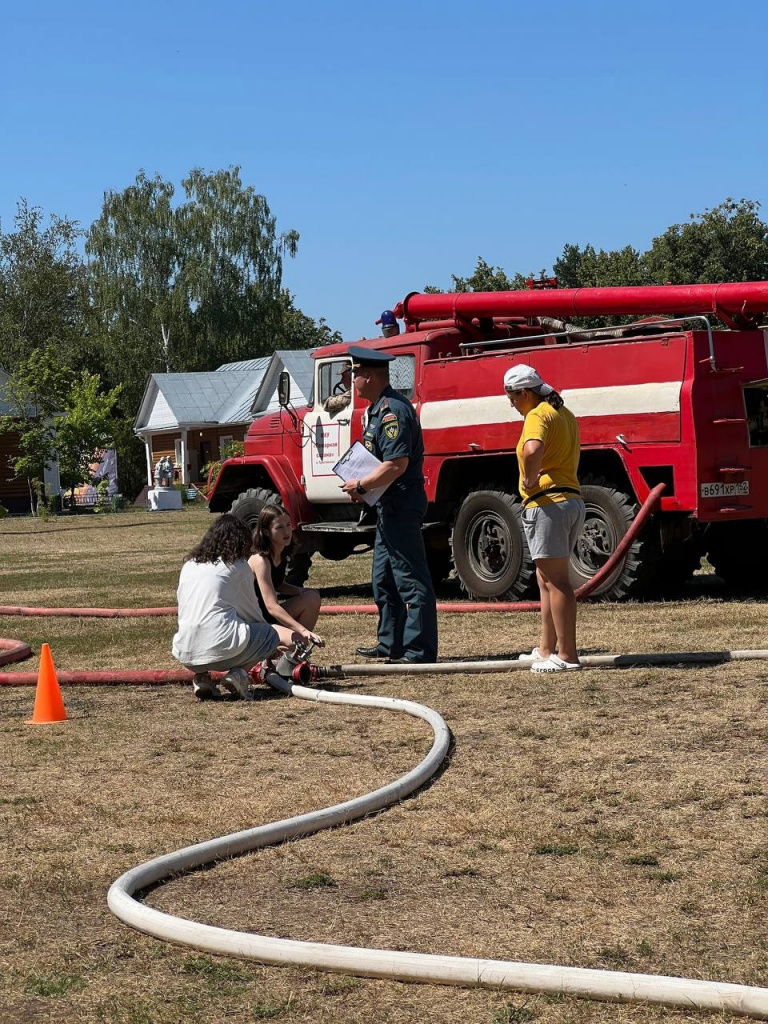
204 688
238 681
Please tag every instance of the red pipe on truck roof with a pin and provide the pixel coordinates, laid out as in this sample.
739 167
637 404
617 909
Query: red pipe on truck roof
733 300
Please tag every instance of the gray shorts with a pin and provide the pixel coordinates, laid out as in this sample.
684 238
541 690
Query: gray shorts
263 640
553 529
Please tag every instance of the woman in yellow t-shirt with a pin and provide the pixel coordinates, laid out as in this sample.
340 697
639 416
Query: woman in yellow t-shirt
553 510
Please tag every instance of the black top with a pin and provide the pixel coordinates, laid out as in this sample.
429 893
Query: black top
277 573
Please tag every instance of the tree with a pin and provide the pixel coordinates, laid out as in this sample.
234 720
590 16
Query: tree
85 428
189 286
37 391
726 243
41 280
297 330
592 268
485 278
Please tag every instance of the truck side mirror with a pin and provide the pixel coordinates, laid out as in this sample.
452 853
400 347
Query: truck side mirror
284 389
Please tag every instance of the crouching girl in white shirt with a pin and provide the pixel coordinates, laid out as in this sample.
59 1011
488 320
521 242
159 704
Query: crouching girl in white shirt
221 625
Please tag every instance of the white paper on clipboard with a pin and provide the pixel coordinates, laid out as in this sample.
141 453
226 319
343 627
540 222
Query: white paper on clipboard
356 463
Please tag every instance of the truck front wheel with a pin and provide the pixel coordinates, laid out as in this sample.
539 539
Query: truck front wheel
489 550
247 507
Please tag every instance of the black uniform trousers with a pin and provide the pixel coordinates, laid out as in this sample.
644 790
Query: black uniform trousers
402 585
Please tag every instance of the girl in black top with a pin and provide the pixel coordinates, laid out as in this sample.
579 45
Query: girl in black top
272 544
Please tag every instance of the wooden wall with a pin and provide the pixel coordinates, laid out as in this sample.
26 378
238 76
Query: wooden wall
204 442
14 493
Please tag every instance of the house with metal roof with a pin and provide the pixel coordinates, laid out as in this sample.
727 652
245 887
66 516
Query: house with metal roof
192 416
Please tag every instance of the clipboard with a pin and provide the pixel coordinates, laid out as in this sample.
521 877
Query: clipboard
356 463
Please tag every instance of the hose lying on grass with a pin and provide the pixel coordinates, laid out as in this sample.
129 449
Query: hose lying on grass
613 986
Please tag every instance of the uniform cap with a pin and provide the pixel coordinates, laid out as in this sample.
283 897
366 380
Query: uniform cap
368 357
522 377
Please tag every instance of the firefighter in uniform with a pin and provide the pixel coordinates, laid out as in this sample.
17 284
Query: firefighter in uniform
402 585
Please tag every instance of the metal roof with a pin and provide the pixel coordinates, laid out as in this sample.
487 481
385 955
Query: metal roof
233 394
299 364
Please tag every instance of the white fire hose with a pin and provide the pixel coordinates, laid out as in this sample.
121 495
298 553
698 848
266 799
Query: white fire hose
614 986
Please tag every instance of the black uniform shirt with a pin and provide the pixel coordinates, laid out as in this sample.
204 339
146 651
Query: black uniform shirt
393 431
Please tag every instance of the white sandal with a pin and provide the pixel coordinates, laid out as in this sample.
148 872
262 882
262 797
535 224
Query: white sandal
555 664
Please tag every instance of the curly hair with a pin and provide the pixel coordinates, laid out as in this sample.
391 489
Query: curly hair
228 539
262 542
554 399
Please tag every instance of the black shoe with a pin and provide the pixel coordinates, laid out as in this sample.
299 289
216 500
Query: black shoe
405 661
372 652
209 695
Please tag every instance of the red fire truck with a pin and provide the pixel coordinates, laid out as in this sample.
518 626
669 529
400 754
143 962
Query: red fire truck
665 398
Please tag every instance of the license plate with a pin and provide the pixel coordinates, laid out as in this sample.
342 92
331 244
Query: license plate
721 490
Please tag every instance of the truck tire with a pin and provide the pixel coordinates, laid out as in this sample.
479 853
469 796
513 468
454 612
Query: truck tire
247 507
610 512
489 549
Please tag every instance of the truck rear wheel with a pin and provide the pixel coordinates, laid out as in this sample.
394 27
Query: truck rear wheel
489 549
247 507
610 512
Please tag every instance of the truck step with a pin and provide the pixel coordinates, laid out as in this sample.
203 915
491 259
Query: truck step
350 526
342 527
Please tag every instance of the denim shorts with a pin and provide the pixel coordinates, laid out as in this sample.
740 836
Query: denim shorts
553 529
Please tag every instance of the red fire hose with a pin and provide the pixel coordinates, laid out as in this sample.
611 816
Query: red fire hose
16 650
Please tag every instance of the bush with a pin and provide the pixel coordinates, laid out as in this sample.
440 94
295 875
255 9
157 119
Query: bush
3 511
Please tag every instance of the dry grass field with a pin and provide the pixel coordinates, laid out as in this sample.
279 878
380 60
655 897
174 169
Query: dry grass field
611 819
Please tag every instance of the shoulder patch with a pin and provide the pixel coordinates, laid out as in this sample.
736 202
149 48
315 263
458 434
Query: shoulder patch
389 417
392 428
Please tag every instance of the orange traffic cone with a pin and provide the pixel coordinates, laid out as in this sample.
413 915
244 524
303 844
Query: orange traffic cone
49 707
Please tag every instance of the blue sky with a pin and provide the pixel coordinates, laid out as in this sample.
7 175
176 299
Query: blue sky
401 140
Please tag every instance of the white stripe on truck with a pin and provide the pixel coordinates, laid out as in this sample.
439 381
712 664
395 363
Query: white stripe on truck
619 400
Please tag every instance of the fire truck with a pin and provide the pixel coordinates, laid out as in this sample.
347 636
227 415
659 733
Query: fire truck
676 393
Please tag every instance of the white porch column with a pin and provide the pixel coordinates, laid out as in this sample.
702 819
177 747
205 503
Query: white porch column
148 449
184 458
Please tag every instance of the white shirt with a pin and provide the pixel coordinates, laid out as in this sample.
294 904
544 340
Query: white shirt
217 602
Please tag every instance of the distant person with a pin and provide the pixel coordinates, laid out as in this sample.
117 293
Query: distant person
402 585
342 393
221 624
553 510
390 328
272 544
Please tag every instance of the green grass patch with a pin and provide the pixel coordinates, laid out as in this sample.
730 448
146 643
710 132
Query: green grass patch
55 985
316 881
555 849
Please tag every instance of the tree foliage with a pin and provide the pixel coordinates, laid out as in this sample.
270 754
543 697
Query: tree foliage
297 330
726 243
187 286
41 281
36 391
84 429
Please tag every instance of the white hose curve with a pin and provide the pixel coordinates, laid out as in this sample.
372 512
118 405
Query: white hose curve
586 983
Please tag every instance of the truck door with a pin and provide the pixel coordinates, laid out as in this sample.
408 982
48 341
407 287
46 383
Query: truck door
327 429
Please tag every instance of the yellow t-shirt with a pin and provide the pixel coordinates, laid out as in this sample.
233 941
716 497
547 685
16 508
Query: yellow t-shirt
558 430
